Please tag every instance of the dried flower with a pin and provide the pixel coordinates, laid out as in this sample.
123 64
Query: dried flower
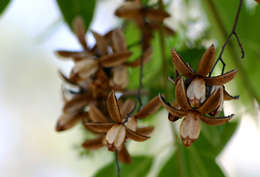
121 126
190 127
196 90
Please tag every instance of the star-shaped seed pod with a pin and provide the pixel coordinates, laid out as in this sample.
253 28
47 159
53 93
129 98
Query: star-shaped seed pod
122 127
190 126
196 90
95 115
148 19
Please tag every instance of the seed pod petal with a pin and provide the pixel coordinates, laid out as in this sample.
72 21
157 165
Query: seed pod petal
84 68
132 124
221 79
77 103
120 139
129 10
216 120
74 55
118 41
96 115
212 103
135 136
124 156
149 108
181 96
113 108
156 15
190 129
196 92
145 130
227 96
114 59
99 127
170 109
93 144
180 66
101 43
67 121
207 61
120 77
126 107
80 31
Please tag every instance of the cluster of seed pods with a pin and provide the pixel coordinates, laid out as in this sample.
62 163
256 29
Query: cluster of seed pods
198 96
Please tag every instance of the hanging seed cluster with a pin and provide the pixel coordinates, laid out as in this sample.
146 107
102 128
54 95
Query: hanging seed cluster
101 71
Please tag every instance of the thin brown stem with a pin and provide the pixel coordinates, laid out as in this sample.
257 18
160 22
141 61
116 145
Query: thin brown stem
233 32
117 164
251 91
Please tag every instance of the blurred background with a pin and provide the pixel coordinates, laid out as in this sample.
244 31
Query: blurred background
30 99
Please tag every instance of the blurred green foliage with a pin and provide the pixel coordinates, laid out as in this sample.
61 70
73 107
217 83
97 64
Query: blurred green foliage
71 9
140 167
247 82
3 5
200 159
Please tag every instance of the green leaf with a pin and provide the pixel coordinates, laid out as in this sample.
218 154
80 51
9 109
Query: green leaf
188 162
73 8
139 167
3 5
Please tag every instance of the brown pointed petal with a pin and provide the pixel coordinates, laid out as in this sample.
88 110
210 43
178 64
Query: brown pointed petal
84 68
99 127
118 41
181 96
93 144
80 31
101 43
120 77
67 80
221 79
215 120
113 108
212 103
124 156
190 129
149 108
115 137
227 96
137 62
207 61
180 66
96 115
145 130
114 59
170 109
126 107
129 10
74 55
156 15
135 136
77 103
67 121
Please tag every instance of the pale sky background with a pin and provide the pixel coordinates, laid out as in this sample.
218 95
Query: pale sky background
31 102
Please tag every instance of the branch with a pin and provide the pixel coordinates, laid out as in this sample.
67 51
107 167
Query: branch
233 32
117 164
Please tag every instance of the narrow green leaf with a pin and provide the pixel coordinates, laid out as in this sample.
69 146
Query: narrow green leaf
139 167
3 5
71 9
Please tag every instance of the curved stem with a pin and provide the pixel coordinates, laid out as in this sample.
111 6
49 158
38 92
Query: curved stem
233 32
231 48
